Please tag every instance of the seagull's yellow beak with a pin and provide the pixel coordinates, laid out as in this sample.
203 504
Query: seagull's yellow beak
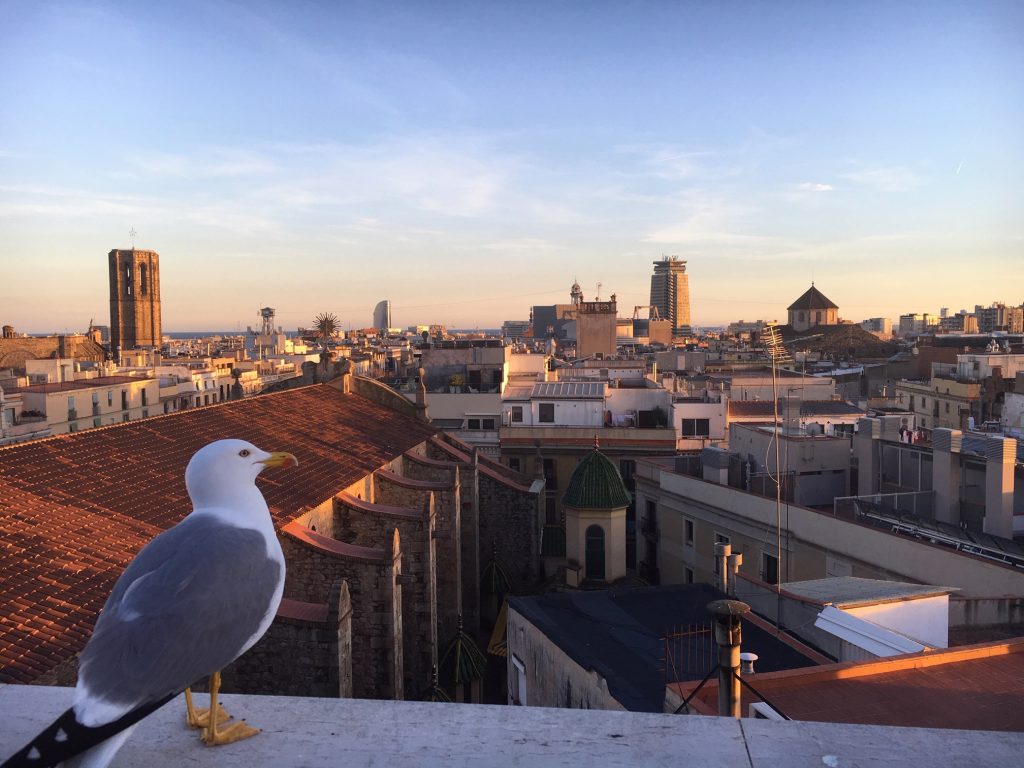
280 459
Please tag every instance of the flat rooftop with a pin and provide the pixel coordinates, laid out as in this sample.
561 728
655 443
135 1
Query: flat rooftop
67 386
619 633
853 591
325 733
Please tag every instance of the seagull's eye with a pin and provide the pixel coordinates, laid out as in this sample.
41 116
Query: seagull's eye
244 452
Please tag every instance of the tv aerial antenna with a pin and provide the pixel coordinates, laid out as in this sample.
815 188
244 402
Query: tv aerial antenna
777 353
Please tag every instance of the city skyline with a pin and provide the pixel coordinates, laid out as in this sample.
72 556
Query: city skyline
467 162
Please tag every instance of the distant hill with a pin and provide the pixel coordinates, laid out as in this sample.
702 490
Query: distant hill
838 342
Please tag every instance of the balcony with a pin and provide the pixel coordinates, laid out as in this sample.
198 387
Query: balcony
649 528
643 440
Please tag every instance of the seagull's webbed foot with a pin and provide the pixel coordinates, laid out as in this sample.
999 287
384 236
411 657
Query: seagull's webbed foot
199 717
212 735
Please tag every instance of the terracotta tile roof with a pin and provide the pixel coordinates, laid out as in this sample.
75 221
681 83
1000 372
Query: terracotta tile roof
812 298
74 509
976 687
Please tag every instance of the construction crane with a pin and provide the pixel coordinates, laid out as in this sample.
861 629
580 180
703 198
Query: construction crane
652 311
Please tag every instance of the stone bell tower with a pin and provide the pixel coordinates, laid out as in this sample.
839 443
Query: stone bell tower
134 300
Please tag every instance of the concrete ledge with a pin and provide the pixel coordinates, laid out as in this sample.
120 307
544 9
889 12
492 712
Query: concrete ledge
322 733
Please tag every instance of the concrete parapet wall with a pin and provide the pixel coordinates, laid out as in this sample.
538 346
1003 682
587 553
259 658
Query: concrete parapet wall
985 611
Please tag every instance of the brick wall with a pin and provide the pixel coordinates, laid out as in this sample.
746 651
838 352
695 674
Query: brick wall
439 452
365 524
312 569
303 653
509 521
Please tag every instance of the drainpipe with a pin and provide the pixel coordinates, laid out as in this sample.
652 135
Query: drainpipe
722 552
728 635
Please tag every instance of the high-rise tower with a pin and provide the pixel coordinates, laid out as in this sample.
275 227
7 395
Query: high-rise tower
670 293
134 299
382 315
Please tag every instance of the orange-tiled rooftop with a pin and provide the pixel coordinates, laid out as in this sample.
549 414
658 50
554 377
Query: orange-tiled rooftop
972 687
74 509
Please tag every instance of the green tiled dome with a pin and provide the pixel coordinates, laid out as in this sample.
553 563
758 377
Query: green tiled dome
596 484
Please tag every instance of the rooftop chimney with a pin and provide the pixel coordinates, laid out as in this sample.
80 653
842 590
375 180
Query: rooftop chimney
722 552
728 636
747 660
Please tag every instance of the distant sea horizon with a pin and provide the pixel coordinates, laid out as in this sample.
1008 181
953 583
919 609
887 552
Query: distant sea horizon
291 334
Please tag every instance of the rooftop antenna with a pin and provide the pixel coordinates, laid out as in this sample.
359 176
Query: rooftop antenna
773 347
133 233
598 297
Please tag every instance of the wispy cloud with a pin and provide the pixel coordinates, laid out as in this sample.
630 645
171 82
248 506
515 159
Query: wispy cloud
704 219
814 186
667 161
210 163
893 179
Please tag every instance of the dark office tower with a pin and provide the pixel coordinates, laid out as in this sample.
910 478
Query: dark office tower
134 300
670 293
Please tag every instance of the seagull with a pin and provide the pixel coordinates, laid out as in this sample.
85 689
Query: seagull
193 600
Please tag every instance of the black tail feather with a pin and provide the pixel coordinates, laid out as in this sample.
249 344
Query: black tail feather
65 737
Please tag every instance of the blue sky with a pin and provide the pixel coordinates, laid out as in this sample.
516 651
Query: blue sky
467 160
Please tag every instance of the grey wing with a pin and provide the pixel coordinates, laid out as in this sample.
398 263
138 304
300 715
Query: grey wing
184 608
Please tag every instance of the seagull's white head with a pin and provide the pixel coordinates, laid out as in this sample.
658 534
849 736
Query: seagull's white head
226 469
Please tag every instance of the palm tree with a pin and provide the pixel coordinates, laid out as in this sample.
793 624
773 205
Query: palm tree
326 324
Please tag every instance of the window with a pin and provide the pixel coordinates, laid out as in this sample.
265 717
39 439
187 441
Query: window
546 413
72 412
142 279
696 428
594 553
97 422
517 683
124 400
145 413
472 423
688 575
517 414
817 317
769 568
144 398
551 474
688 531
110 398
513 463
487 423
947 407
